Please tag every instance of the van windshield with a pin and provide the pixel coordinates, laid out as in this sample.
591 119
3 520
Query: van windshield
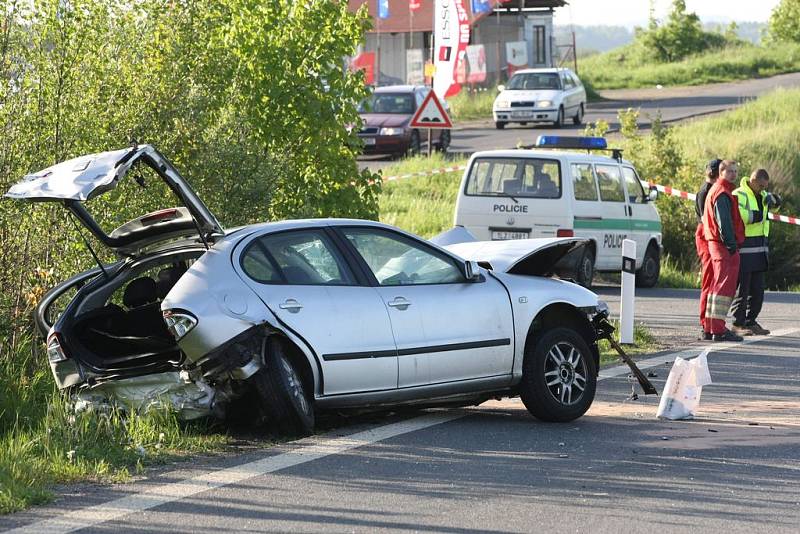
514 177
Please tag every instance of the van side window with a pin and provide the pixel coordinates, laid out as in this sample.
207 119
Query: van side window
583 182
541 179
610 181
634 186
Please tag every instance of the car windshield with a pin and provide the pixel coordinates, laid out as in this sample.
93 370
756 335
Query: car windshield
395 103
534 80
512 177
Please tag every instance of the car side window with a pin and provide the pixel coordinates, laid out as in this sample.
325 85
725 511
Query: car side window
397 260
567 81
575 79
299 258
634 186
610 182
584 184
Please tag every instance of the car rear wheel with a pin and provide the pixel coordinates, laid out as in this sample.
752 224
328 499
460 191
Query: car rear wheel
560 119
414 144
584 270
499 125
286 404
558 376
647 275
444 141
578 118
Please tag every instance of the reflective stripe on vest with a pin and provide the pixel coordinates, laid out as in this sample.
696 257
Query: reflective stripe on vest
747 206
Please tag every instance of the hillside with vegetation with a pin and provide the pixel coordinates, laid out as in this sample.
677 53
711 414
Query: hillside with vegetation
680 51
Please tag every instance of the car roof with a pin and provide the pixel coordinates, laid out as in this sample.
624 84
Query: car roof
567 156
542 70
297 224
398 88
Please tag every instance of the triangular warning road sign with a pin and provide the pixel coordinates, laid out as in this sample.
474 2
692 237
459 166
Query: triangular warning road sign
431 114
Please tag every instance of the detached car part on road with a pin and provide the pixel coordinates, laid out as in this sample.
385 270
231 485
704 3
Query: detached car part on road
306 315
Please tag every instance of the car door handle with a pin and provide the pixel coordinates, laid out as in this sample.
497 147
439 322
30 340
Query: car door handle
400 303
291 305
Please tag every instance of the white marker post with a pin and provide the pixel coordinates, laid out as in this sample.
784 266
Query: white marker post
628 291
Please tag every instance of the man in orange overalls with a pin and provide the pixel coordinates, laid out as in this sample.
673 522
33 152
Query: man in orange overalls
724 232
700 243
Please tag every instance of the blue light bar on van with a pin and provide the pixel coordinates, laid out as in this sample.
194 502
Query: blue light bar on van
558 141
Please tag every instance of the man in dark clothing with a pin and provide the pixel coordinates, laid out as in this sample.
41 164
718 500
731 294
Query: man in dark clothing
724 233
754 202
706 272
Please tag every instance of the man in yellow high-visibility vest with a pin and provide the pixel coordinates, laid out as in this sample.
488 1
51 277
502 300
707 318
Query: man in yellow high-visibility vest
754 203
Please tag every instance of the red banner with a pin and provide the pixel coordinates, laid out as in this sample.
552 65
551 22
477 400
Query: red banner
365 61
414 5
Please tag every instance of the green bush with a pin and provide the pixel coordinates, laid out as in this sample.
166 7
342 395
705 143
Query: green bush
680 36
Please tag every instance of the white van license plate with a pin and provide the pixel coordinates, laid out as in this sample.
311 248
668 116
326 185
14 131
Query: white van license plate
522 114
501 236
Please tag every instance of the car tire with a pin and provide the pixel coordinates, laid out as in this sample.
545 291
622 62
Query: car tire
578 118
414 144
286 404
556 365
647 275
584 270
560 119
499 125
444 141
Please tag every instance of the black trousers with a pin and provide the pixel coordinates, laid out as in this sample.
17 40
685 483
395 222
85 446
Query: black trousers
749 297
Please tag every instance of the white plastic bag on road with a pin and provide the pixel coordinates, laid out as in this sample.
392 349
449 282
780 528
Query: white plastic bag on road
684 384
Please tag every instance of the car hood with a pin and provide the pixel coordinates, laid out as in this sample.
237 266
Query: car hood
526 96
385 120
532 257
77 180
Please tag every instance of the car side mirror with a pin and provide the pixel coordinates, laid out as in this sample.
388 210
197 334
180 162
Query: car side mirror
471 270
501 88
652 195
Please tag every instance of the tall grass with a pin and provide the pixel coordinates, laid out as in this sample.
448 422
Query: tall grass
625 67
476 104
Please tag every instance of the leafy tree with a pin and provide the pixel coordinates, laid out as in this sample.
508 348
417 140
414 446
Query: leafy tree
680 36
784 24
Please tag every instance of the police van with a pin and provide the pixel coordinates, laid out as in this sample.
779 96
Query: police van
547 192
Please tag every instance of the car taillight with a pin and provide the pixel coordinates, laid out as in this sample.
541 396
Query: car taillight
179 323
564 232
54 351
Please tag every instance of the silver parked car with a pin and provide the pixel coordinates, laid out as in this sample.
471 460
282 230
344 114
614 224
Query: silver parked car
306 315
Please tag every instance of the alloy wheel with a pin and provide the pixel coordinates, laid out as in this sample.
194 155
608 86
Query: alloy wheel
565 373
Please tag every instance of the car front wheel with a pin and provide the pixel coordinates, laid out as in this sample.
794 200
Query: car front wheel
499 125
414 144
558 376
285 401
560 119
444 141
578 118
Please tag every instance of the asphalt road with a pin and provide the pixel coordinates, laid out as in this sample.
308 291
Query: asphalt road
492 468
675 104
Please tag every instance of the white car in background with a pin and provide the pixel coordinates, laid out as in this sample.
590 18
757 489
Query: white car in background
540 95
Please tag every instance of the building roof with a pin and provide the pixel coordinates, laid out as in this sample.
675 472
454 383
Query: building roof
401 20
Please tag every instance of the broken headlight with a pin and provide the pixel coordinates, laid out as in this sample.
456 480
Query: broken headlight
179 322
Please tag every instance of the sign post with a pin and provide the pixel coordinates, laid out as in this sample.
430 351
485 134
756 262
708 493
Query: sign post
628 291
431 114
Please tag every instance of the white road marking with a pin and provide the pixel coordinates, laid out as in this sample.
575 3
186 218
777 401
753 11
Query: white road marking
620 370
308 450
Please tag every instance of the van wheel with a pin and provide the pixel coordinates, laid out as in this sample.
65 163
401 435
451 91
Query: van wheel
558 376
647 275
285 402
499 125
560 119
578 118
584 270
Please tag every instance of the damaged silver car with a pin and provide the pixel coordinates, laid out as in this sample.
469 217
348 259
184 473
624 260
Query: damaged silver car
306 315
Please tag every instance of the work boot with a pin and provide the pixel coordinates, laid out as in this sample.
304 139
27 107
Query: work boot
742 330
727 336
757 329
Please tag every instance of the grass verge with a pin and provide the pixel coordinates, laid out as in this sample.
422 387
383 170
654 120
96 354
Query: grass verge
643 343
624 68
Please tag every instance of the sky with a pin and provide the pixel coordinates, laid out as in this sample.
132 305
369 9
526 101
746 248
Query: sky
636 12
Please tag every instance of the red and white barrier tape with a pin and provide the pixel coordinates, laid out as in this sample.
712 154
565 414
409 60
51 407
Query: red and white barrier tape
443 170
667 190
691 196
